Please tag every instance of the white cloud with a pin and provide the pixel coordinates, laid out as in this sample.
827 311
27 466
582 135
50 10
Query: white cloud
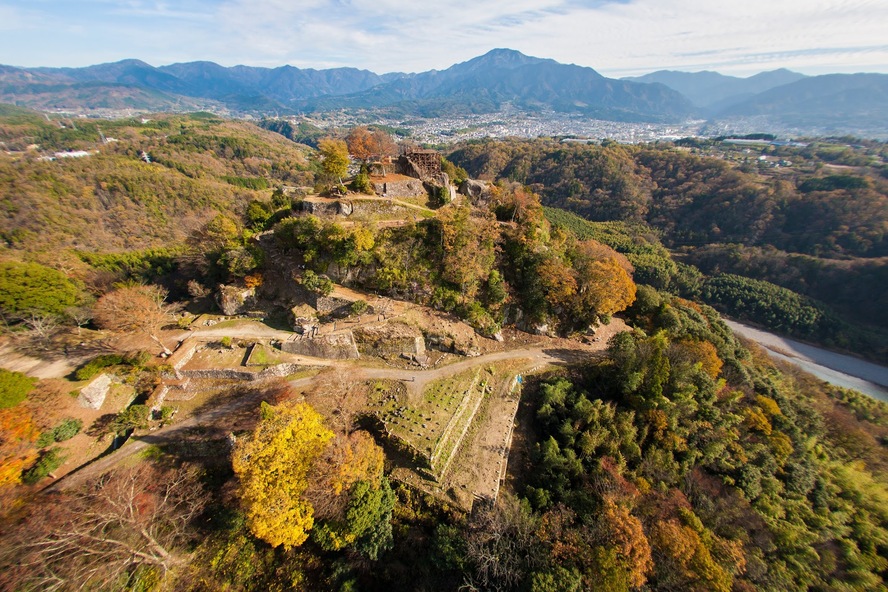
616 37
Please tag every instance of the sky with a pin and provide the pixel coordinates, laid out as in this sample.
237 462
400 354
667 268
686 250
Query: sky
616 37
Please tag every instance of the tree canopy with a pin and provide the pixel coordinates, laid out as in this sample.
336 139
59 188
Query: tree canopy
334 158
273 464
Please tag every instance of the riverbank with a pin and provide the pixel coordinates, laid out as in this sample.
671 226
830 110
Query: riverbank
838 369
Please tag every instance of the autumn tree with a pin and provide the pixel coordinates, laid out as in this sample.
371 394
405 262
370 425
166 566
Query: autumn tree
135 309
604 283
334 158
18 434
131 524
348 460
467 248
623 553
273 464
366 144
361 143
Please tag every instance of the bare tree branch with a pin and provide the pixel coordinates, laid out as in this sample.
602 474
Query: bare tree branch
131 519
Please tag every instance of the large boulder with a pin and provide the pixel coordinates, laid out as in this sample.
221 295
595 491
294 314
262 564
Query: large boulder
475 190
93 395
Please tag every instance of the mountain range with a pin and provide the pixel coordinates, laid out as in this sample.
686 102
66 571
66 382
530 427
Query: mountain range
714 92
484 84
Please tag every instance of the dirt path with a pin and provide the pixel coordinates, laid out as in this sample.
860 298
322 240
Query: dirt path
140 442
19 362
416 380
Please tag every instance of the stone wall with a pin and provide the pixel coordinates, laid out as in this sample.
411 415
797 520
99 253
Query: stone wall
389 340
406 187
338 346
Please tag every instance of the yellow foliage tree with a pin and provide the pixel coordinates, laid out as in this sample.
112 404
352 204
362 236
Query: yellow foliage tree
273 465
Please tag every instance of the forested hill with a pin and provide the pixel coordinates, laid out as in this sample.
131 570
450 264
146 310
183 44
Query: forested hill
812 219
670 458
132 183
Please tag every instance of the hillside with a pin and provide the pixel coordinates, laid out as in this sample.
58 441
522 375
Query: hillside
716 92
829 102
110 199
429 392
791 225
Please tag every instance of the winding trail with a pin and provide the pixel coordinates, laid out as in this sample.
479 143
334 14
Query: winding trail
415 379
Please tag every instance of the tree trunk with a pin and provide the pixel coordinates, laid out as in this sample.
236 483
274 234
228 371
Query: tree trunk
160 343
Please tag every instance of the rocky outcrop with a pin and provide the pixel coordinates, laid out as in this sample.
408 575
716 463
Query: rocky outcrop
476 191
303 318
321 207
332 305
336 346
93 395
235 300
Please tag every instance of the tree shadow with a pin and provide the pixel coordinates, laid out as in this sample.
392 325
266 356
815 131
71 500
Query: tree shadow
572 357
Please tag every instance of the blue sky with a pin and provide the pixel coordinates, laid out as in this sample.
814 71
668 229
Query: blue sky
616 37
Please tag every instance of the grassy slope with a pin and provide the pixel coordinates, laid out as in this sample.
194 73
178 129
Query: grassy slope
112 200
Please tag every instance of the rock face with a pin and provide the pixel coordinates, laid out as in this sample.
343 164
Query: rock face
332 305
93 395
338 346
320 207
475 190
234 300
389 340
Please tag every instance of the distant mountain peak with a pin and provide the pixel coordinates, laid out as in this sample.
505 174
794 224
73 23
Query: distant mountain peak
500 58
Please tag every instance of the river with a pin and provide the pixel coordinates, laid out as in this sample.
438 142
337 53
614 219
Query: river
838 369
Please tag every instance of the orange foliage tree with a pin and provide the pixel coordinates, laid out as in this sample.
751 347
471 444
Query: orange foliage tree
135 309
17 436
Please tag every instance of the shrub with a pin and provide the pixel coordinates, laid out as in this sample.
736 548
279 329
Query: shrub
64 431
166 412
133 417
14 387
226 342
359 307
67 429
48 462
362 184
97 364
